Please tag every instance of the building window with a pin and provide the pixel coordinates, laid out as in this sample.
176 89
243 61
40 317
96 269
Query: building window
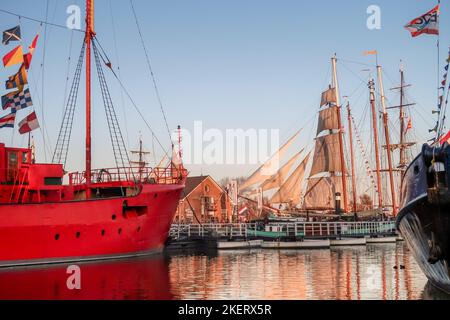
207 189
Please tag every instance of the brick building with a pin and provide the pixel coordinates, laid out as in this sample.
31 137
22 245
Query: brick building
208 199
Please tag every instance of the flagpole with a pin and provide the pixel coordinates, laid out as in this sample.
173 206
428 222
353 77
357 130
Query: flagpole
438 133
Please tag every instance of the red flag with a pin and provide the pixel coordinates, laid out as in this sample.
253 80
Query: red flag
27 57
409 125
445 138
28 124
425 24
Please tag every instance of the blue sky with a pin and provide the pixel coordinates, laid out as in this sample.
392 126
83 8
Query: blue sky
231 64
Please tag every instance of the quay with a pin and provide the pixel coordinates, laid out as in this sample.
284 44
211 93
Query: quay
298 235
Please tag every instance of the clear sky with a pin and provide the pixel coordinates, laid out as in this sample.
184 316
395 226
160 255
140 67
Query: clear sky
231 64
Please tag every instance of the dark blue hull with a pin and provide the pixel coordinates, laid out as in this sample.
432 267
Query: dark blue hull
424 219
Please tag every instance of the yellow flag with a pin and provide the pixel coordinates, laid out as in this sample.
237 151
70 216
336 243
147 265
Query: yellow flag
13 57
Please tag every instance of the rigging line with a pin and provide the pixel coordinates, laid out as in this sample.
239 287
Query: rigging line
356 62
69 60
43 75
42 129
119 71
132 102
39 21
158 96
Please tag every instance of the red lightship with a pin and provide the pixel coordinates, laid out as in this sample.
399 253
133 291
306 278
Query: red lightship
97 214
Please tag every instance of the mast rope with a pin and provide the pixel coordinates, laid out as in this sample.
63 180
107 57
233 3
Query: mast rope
106 60
43 77
38 21
364 155
147 57
122 99
118 144
65 132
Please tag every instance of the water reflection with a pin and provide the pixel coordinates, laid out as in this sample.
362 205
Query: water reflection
381 272
140 279
355 273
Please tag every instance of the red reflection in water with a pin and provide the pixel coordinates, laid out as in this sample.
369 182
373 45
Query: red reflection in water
140 279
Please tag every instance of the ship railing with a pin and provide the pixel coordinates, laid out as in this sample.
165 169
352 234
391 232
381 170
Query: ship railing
311 230
131 174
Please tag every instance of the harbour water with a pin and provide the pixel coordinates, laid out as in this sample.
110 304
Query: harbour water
381 272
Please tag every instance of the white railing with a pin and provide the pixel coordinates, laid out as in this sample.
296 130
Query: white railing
298 230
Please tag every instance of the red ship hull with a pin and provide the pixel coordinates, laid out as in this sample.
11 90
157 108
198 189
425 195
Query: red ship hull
87 230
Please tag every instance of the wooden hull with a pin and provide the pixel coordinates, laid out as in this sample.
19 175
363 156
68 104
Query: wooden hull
424 222
87 230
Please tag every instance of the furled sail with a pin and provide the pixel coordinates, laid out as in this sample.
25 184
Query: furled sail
320 193
271 166
277 180
328 119
291 190
326 155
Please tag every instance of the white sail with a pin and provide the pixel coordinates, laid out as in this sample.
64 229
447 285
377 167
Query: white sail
321 193
261 174
277 180
290 192
326 155
328 119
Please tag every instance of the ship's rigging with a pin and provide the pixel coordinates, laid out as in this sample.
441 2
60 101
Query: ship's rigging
340 172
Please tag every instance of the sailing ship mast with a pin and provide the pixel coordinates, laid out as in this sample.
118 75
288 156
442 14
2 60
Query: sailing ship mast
388 143
352 158
403 145
341 133
88 38
327 179
376 141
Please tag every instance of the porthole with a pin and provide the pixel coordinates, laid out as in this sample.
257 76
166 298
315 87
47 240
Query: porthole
57 236
103 232
139 229
114 217
120 230
155 196
78 235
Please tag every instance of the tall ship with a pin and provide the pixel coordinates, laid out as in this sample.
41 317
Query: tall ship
341 174
50 216
424 218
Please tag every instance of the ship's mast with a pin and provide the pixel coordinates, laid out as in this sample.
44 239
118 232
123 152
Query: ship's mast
352 155
388 143
341 140
88 38
402 120
376 141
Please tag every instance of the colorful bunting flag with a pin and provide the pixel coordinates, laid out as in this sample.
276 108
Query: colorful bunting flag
14 57
6 99
29 124
18 80
8 121
12 34
19 101
425 24
445 138
371 52
27 57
